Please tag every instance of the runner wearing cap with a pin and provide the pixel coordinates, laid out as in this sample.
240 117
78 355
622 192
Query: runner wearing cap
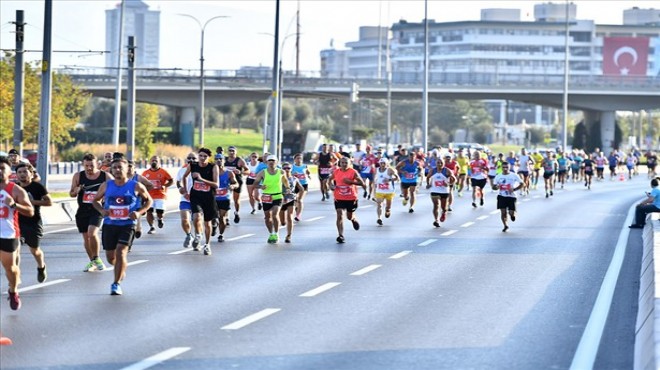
237 165
383 188
301 172
343 182
272 182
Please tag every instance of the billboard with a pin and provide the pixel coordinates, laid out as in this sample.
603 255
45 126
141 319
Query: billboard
625 56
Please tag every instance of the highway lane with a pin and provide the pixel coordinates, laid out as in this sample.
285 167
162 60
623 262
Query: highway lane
401 296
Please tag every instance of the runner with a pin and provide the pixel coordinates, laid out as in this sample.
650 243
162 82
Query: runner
651 163
14 160
613 162
631 164
588 165
538 159
142 180
343 182
463 165
272 181
301 172
507 183
383 188
289 201
121 208
367 168
325 162
249 182
478 170
14 201
226 184
439 181
202 203
105 163
32 229
451 165
524 163
409 171
563 164
600 161
184 202
576 166
161 180
549 165
84 186
236 165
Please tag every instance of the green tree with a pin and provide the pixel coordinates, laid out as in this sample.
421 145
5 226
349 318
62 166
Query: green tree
146 121
580 136
245 112
67 104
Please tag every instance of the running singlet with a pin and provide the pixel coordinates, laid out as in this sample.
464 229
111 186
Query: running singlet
9 228
477 168
383 182
588 165
562 164
507 183
345 191
272 186
200 188
233 165
120 201
366 165
291 196
549 166
440 181
300 172
325 166
222 191
538 158
409 172
462 165
158 178
87 194
524 163
253 170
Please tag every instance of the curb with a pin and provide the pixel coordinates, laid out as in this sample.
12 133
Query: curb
647 330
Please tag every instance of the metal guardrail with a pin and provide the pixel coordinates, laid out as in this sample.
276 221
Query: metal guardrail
64 168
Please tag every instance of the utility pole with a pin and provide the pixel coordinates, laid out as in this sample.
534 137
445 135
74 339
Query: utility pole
425 94
130 100
46 89
298 41
274 130
19 86
120 43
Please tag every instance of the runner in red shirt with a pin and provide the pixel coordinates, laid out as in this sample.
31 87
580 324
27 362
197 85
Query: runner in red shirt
343 181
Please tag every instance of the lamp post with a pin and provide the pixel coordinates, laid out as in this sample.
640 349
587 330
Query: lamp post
201 72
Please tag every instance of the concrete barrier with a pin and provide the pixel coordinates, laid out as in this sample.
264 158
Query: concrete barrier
647 330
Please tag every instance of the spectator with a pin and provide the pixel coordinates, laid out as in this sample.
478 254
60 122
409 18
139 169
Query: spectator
649 205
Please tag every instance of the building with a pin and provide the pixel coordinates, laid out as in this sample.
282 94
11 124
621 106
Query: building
334 63
140 22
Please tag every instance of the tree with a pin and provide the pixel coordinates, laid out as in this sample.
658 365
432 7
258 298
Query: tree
146 121
67 104
245 112
580 136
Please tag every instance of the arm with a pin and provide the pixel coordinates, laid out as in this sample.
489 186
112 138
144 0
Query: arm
98 198
168 181
44 201
233 184
19 200
75 185
145 182
147 201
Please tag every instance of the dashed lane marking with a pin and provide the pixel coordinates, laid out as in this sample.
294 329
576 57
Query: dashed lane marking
481 218
251 319
112 268
467 224
239 237
449 232
365 270
157 358
42 285
495 212
181 251
427 242
314 219
399 255
61 230
319 290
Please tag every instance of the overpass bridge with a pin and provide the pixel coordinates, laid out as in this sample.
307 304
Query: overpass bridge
599 97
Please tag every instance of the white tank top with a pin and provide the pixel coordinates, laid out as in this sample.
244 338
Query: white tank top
439 183
252 169
383 183
8 216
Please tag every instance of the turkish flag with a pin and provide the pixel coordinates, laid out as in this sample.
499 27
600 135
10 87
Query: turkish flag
625 56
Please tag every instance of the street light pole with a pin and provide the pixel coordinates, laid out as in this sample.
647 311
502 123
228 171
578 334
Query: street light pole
202 28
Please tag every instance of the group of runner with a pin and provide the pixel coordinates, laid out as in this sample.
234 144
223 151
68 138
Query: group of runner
112 198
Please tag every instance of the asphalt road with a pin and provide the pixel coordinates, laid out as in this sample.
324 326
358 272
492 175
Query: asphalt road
400 296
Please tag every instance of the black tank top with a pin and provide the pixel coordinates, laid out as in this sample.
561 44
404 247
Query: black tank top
324 160
207 174
88 192
231 165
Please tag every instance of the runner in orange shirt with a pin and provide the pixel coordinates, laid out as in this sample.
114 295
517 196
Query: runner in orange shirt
161 180
344 182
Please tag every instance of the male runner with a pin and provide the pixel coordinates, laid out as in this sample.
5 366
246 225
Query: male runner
343 182
507 183
273 183
202 193
383 188
161 180
237 165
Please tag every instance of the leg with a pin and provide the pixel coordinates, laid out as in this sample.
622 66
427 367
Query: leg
121 262
150 217
12 270
340 221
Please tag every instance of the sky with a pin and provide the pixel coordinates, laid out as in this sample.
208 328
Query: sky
239 39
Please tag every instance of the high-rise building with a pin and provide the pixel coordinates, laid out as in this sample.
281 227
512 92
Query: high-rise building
140 22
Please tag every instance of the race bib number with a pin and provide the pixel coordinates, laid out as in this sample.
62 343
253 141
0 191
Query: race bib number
505 188
266 198
4 212
230 168
588 168
119 212
344 190
384 186
157 184
88 196
252 175
409 175
476 170
201 186
440 183
325 170
300 176
221 192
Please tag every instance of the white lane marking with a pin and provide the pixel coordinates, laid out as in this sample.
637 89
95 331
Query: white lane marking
181 251
585 354
467 224
239 237
536 196
42 285
314 219
400 254
526 200
157 358
61 230
365 270
481 218
427 242
319 290
369 206
251 319
112 268
447 233
495 212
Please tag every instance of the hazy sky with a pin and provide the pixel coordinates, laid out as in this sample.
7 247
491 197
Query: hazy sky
236 41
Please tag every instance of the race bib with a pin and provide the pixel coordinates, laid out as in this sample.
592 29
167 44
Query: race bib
440 183
119 212
88 196
383 186
325 170
252 175
230 168
587 168
221 192
476 170
157 184
409 175
505 188
300 176
266 198
344 190
4 212
201 186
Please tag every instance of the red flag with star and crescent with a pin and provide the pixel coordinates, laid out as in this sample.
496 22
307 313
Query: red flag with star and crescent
625 56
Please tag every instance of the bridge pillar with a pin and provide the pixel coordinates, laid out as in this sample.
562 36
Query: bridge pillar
187 126
607 124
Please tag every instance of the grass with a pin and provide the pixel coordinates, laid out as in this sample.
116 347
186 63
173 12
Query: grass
246 142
